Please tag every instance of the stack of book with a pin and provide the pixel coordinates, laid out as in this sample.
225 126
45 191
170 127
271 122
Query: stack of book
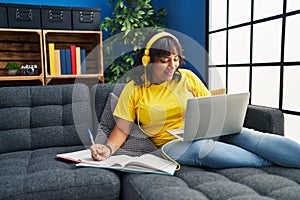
66 61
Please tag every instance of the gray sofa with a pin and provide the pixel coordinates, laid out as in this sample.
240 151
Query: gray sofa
38 122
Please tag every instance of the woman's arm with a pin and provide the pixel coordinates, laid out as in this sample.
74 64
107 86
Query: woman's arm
115 140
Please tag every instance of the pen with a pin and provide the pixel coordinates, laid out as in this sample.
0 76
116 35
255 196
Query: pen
91 136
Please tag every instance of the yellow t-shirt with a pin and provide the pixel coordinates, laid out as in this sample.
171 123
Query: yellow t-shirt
158 108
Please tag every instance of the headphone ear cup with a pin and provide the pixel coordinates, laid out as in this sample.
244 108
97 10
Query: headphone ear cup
145 60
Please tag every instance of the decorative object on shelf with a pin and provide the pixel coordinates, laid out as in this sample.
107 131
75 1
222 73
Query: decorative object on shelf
129 16
12 68
29 70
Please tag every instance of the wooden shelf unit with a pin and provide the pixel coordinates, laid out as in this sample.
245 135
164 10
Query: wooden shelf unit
23 46
91 41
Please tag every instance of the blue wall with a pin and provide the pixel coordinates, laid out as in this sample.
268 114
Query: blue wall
188 17
184 16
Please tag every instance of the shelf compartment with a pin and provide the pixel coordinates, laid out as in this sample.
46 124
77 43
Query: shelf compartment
23 46
91 41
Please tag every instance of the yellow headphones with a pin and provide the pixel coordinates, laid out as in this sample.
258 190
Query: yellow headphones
146 57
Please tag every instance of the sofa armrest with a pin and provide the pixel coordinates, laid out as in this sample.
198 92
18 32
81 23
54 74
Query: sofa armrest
265 119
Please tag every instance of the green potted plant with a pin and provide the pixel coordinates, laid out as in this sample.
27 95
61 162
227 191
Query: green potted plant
129 16
12 68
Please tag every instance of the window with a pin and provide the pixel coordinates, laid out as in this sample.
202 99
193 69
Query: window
238 79
218 14
291 84
239 45
267 8
217 45
254 46
265 86
267 41
240 12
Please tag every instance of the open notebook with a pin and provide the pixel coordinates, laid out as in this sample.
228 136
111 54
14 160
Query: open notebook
213 116
148 163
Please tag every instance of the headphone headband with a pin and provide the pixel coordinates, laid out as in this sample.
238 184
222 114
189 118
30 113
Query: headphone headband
146 57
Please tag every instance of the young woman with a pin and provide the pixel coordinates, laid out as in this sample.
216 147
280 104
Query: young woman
156 100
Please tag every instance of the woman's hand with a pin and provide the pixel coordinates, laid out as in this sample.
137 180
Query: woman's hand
116 139
100 152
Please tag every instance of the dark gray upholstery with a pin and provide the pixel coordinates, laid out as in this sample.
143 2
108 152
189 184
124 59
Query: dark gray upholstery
36 174
265 119
39 117
198 183
203 183
36 123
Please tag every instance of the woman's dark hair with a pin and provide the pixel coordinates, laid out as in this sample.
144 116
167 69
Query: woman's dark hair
162 47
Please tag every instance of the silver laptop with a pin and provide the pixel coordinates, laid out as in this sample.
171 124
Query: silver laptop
213 116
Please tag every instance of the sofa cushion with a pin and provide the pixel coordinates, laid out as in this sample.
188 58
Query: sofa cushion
265 119
137 142
37 116
107 120
99 95
232 183
37 174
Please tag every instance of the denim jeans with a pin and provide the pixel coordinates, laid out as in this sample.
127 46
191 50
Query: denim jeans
249 148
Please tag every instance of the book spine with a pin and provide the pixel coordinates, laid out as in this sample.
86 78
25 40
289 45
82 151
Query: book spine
68 62
73 58
78 61
63 62
51 58
57 62
83 61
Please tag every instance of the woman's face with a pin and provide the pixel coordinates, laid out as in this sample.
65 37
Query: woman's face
164 67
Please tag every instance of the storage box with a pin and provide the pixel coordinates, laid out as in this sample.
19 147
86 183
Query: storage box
56 17
3 14
23 16
86 18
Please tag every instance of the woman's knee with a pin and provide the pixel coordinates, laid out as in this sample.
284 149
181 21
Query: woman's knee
204 147
199 148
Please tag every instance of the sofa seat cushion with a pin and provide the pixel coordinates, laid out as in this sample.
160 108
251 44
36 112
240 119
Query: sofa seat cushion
199 183
37 173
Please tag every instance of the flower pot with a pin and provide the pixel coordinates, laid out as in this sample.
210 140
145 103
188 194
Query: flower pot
12 72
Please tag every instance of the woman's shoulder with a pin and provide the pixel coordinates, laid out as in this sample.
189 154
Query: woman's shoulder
190 77
186 73
130 87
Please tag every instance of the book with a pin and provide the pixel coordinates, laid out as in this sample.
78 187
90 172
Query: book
146 163
78 60
57 62
63 64
68 61
51 58
83 61
73 59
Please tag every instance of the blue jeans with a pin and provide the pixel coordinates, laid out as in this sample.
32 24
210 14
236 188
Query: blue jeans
249 148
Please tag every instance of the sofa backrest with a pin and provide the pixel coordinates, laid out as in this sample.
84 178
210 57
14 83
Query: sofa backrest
99 95
33 117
